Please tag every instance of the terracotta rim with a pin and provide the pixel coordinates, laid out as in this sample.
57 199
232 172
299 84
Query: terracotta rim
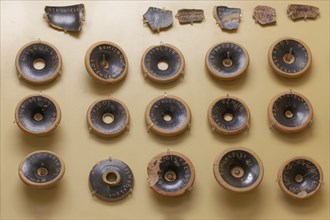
279 71
184 190
281 183
224 184
39 133
286 129
46 185
230 76
92 73
172 78
220 130
93 129
215 15
52 77
164 132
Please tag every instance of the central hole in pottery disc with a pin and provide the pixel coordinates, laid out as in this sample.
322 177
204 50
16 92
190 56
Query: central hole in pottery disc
170 176
108 118
228 117
42 171
288 58
227 62
288 114
111 177
237 171
167 117
162 65
39 64
38 116
105 63
298 178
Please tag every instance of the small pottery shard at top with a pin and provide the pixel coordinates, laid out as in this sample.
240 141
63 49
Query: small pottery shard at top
158 19
227 18
186 16
67 18
264 15
296 11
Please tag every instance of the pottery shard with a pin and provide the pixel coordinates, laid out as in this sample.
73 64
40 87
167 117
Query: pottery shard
302 11
227 18
190 15
158 19
67 18
152 170
264 15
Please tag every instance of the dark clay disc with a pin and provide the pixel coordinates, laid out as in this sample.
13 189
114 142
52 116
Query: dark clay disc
290 112
238 169
37 114
227 60
171 174
41 169
40 52
300 177
106 62
289 57
228 115
108 117
167 54
111 180
168 115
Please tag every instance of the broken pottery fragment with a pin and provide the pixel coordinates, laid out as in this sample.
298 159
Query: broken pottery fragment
227 18
302 11
264 15
66 18
186 16
158 19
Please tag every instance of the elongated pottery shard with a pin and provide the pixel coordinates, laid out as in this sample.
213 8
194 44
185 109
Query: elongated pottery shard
227 18
66 18
158 19
186 16
296 11
264 15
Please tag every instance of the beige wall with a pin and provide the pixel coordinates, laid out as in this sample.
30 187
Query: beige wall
121 23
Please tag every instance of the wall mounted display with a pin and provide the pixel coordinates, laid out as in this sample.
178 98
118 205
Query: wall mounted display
106 62
108 117
238 169
38 62
289 57
77 92
171 174
111 180
168 115
227 60
41 169
290 112
158 19
163 63
66 18
37 114
228 115
300 177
